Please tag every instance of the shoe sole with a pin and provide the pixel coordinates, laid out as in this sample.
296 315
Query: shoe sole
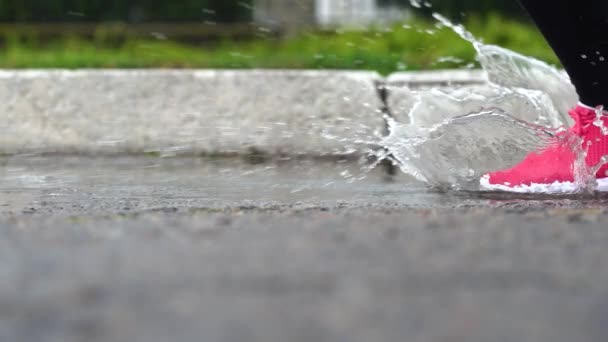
534 188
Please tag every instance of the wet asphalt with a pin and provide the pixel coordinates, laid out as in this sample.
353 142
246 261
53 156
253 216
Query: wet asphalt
193 249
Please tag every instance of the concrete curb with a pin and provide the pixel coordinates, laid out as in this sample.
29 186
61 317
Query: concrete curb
437 78
199 111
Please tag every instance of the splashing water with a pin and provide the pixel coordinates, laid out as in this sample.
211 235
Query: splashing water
510 69
448 138
455 152
598 122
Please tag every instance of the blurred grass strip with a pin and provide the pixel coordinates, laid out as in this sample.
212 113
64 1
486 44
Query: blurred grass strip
419 45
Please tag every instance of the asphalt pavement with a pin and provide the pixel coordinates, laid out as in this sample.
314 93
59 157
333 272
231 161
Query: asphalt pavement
192 249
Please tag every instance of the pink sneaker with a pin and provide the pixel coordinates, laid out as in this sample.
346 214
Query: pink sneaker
552 170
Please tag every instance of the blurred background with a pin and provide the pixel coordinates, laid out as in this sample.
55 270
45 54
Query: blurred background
381 35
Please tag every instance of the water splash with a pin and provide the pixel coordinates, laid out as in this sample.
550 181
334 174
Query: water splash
598 122
454 153
448 138
513 70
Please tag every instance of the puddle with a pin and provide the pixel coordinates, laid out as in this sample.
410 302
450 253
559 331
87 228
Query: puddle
98 186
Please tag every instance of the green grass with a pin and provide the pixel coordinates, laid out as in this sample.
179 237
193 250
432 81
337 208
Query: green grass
382 49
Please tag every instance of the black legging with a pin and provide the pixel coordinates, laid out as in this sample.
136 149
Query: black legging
578 32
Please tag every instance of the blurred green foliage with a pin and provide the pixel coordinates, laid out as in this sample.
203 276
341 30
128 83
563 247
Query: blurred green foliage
124 10
417 46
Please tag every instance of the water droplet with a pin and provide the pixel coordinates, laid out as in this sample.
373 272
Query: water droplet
584 56
158 35
416 3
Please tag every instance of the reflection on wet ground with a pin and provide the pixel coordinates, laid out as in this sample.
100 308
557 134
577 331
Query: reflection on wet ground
85 185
